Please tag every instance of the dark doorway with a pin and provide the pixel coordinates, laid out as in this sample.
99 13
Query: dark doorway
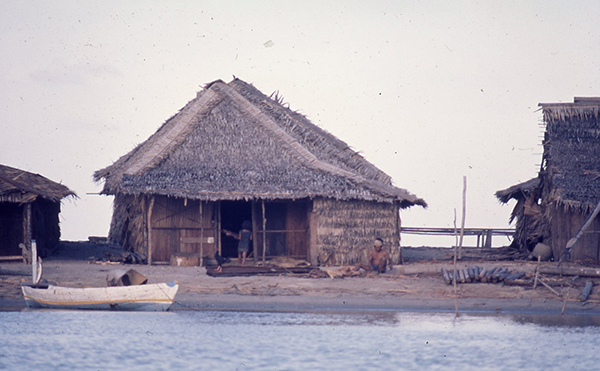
11 228
233 214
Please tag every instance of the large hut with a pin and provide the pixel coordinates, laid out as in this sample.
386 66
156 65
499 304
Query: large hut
553 207
29 210
233 154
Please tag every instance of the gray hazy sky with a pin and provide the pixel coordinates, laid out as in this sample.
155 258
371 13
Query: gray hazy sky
428 91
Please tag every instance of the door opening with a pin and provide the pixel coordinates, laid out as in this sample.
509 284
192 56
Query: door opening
233 214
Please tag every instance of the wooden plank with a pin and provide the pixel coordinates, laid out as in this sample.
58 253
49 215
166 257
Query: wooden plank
200 240
11 257
570 271
235 270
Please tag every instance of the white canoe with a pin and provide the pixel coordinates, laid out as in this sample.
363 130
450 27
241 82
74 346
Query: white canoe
149 297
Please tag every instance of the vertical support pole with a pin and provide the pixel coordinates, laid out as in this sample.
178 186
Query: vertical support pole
218 227
254 217
34 263
149 223
201 235
488 238
27 226
264 231
464 215
399 233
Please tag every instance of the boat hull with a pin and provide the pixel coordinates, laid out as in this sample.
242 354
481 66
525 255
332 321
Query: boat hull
151 297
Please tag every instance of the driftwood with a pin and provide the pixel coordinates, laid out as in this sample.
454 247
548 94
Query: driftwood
586 291
523 282
548 287
570 271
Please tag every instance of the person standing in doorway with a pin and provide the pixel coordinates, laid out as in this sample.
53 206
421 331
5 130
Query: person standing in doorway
244 236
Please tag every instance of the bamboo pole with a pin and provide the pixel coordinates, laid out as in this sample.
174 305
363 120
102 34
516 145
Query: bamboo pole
548 287
454 276
399 234
565 302
464 214
149 221
218 228
537 272
28 228
264 230
201 236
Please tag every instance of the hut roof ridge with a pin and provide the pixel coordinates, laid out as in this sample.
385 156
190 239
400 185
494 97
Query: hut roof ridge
291 131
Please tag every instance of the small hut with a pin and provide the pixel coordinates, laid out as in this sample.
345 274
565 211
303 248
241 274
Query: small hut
234 154
29 209
553 207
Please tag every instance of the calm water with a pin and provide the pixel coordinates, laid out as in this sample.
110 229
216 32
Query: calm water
187 340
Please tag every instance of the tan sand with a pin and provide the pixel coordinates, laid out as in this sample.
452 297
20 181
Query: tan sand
415 286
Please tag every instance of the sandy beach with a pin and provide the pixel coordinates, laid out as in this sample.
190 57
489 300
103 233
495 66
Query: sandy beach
417 285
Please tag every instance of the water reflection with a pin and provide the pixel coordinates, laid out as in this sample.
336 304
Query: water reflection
296 341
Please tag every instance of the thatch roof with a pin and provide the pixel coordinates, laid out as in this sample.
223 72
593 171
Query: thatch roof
572 152
518 191
232 142
22 187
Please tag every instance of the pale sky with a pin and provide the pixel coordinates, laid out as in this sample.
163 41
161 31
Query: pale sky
428 91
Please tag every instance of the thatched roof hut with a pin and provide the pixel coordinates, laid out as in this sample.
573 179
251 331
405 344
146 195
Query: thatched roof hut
234 154
29 209
567 188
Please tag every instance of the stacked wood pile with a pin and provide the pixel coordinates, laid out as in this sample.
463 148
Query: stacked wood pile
472 274
549 277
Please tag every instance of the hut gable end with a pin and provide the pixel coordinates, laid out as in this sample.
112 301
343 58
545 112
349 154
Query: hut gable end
232 142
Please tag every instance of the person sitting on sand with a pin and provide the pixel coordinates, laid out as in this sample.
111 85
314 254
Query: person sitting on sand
378 259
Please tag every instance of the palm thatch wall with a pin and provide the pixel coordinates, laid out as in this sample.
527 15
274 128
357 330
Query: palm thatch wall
346 230
233 143
568 186
29 210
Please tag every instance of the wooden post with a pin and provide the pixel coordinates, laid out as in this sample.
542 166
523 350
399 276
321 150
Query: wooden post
34 263
585 293
537 272
454 265
464 214
264 230
218 227
201 236
398 233
28 225
149 223
254 220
